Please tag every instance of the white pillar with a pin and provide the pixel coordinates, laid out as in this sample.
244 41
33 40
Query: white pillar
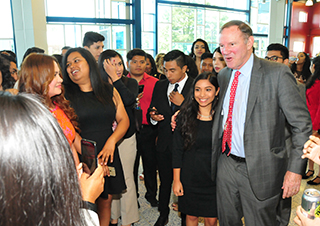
277 18
30 28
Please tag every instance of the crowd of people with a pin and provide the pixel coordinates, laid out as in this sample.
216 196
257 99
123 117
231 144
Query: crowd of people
227 133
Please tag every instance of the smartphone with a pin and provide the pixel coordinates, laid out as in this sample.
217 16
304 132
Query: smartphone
112 171
153 110
141 87
89 154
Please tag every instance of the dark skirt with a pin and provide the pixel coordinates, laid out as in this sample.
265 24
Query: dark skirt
198 201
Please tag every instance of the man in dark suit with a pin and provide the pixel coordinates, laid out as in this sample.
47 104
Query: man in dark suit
167 97
257 98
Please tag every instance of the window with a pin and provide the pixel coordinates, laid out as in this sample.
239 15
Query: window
260 16
303 17
148 20
72 35
298 46
260 45
108 17
6 29
316 46
180 25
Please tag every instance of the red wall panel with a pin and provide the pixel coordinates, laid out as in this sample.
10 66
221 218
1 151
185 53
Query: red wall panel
300 31
304 31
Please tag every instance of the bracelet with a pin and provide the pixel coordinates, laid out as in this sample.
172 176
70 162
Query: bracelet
90 206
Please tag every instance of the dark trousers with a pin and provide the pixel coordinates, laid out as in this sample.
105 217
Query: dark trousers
284 211
166 176
146 148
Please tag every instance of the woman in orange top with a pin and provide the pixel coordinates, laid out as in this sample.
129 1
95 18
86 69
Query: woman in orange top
40 74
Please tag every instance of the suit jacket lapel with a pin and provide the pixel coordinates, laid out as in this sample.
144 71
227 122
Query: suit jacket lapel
224 80
164 94
224 85
254 89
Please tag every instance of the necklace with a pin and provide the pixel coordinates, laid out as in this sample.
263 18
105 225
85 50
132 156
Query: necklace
204 116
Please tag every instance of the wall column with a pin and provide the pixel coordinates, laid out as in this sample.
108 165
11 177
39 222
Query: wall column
277 18
29 24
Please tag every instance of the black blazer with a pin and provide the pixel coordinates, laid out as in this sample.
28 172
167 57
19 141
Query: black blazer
161 103
128 90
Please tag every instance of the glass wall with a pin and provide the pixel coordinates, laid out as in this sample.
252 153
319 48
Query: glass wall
6 29
148 20
166 24
115 9
65 32
180 22
72 35
260 17
180 25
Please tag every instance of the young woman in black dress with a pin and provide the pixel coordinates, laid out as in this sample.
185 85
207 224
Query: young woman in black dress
112 70
192 181
97 105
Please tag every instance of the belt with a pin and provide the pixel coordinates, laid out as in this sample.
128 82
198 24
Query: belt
237 158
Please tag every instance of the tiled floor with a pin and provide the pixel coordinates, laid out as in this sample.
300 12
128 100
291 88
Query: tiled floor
149 215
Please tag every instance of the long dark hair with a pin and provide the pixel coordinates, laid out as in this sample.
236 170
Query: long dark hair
193 44
192 70
7 80
316 74
187 117
217 50
306 73
101 89
153 64
108 54
39 183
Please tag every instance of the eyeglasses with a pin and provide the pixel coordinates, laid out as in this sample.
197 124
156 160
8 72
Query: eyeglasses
273 58
15 71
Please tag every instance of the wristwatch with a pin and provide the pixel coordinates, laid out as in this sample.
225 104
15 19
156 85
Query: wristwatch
89 206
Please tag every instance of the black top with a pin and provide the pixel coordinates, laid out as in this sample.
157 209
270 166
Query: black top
95 122
195 163
128 90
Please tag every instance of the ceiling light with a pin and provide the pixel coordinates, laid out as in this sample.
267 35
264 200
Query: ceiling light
309 3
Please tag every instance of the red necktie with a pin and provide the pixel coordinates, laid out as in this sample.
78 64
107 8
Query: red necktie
227 134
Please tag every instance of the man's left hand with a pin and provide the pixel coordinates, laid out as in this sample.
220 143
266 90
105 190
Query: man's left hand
291 184
176 98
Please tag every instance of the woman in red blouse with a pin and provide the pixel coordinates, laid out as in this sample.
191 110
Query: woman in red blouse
40 74
313 103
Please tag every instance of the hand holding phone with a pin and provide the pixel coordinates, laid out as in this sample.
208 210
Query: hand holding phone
92 186
155 115
153 110
89 154
141 87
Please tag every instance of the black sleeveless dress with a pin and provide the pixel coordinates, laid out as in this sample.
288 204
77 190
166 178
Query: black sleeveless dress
199 197
95 122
